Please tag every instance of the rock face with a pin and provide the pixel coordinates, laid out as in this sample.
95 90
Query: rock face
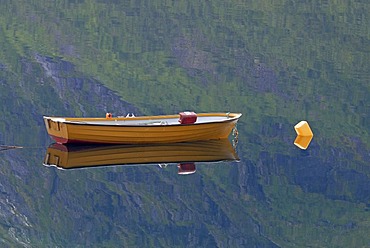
197 55
190 56
77 90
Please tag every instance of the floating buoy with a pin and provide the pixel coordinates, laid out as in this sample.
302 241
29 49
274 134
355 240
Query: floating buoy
108 115
304 135
303 129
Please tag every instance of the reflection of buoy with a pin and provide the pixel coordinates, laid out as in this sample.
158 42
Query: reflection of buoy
303 129
304 135
303 141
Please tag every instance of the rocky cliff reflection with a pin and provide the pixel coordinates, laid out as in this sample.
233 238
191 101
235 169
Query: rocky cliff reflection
69 84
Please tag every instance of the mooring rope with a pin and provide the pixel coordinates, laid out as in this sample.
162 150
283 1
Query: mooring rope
6 147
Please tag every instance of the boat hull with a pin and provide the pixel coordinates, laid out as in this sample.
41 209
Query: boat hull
64 130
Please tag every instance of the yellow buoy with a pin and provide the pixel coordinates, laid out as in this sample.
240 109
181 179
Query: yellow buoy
303 129
304 135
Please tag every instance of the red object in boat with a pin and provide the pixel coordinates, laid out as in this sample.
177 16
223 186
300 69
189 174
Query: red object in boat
188 117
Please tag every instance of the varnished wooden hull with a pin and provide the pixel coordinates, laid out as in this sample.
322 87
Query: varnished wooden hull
121 131
77 156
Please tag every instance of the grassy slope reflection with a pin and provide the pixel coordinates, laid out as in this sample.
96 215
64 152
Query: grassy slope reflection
215 45
167 60
216 58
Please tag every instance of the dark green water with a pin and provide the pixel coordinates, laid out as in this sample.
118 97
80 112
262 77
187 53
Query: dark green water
276 62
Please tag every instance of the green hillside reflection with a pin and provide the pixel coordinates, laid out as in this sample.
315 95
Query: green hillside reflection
276 62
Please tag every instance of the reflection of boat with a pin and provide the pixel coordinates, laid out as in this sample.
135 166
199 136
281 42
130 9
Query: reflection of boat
185 127
77 156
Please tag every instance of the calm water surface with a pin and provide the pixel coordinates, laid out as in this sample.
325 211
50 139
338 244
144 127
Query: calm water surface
277 63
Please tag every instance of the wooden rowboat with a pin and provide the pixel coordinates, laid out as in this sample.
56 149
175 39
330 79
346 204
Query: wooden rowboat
185 127
72 156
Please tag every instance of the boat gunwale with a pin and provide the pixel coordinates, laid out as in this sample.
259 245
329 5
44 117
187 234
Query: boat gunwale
235 116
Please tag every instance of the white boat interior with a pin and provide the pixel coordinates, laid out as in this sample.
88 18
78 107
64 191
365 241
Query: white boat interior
134 121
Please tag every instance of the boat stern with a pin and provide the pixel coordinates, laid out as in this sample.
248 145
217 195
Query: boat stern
56 129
